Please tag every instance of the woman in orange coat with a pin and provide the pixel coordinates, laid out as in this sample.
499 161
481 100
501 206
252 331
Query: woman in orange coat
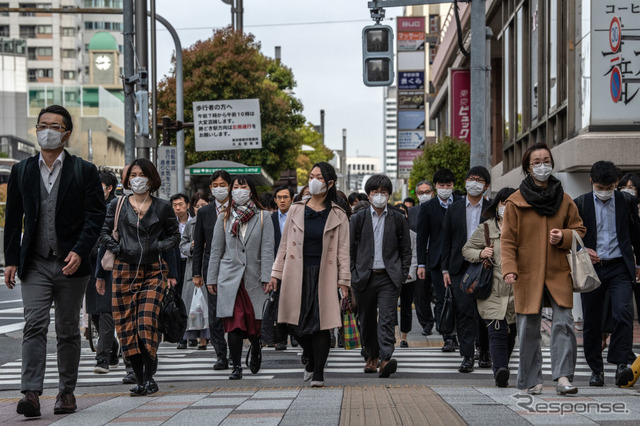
536 237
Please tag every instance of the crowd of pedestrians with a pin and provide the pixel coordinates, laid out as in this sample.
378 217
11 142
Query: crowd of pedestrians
303 253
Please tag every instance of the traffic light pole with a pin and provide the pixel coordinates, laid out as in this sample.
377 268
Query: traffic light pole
129 89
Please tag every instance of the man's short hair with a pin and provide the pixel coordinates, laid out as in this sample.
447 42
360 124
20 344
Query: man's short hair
178 196
409 200
353 197
443 176
220 173
480 172
378 181
423 182
604 173
60 110
283 188
108 177
362 197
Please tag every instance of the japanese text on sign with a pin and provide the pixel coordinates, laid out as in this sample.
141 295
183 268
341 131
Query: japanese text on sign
227 125
168 171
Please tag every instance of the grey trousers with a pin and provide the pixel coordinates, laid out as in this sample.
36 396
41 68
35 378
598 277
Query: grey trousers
564 347
42 284
106 337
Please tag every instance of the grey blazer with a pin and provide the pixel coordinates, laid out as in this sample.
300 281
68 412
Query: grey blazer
233 259
186 250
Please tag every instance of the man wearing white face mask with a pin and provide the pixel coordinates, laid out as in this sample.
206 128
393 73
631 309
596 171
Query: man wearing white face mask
461 220
60 200
380 262
202 236
613 241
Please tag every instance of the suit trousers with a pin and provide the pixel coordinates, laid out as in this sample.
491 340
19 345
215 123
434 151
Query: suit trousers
106 337
406 314
216 331
438 289
377 309
466 311
564 347
43 283
422 300
617 283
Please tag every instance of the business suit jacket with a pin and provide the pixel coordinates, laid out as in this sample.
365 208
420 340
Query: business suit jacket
414 213
80 212
628 233
236 258
454 236
202 235
430 228
277 235
396 247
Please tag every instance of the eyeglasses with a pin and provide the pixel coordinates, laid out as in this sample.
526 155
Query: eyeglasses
53 126
475 179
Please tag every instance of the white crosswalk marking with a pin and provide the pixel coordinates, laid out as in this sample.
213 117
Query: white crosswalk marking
191 365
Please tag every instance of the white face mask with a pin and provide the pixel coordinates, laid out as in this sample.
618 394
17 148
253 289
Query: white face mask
241 196
474 188
603 195
444 194
220 193
501 210
50 139
424 198
379 201
139 184
542 171
316 187
630 191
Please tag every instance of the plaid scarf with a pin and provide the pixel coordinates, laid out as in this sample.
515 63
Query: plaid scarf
243 214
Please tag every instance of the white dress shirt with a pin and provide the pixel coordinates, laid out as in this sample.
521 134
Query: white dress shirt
378 236
49 175
473 216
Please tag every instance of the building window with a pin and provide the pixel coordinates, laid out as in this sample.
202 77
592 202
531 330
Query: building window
4 31
45 51
68 53
27 31
27 5
113 26
45 29
69 31
553 54
108 4
4 13
68 75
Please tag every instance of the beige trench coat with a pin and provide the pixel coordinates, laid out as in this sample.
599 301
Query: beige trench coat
526 252
499 305
334 266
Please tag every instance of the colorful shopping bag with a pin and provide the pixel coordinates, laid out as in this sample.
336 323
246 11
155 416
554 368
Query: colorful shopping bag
350 332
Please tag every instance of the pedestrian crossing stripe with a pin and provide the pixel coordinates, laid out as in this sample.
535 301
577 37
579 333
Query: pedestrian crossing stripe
177 366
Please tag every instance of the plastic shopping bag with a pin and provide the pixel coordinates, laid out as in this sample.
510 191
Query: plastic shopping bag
199 312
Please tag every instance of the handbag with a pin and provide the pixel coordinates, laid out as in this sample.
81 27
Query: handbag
583 274
269 318
350 331
477 281
447 316
172 321
199 312
109 259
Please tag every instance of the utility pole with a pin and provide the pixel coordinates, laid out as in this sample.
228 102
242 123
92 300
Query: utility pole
322 124
343 165
129 88
142 142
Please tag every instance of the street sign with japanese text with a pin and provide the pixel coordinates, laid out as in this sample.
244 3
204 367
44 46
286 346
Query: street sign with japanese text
168 171
460 104
412 40
227 125
230 170
410 80
410 139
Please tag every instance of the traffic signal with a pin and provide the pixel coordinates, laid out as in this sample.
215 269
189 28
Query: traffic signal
142 112
377 55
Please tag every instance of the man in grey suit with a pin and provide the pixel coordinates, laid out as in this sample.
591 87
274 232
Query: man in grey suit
380 261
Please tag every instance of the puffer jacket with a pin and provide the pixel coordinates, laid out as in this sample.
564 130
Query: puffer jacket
144 243
499 305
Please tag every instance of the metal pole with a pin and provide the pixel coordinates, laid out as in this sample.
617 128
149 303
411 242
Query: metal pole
343 166
179 100
240 15
141 51
487 110
478 85
129 96
90 156
322 124
154 79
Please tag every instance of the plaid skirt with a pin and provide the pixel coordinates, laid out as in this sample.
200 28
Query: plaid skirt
137 297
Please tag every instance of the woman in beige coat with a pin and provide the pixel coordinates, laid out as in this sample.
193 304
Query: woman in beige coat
536 237
312 264
498 310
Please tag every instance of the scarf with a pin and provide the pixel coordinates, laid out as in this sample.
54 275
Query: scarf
243 214
545 201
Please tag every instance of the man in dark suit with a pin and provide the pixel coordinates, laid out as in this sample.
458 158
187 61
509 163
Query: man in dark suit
202 235
283 197
380 261
430 226
423 290
60 200
612 240
461 219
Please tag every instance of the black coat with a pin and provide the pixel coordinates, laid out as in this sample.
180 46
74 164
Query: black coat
628 231
430 227
454 236
396 247
80 212
202 236
277 235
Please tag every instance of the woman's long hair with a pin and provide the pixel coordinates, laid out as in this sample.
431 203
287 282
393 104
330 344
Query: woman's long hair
242 180
492 211
329 175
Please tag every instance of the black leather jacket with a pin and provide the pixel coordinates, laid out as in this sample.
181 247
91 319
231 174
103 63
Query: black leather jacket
158 232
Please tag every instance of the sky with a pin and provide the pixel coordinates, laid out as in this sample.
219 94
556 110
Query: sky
321 42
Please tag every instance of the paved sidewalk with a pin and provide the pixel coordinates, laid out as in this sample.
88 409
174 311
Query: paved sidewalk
348 406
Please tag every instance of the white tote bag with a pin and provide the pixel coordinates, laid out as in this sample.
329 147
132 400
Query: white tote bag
583 274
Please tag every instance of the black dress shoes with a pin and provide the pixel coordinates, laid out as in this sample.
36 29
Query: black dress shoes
151 387
254 358
236 373
221 364
484 360
65 404
624 375
138 390
29 405
448 346
129 379
502 377
597 379
467 365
